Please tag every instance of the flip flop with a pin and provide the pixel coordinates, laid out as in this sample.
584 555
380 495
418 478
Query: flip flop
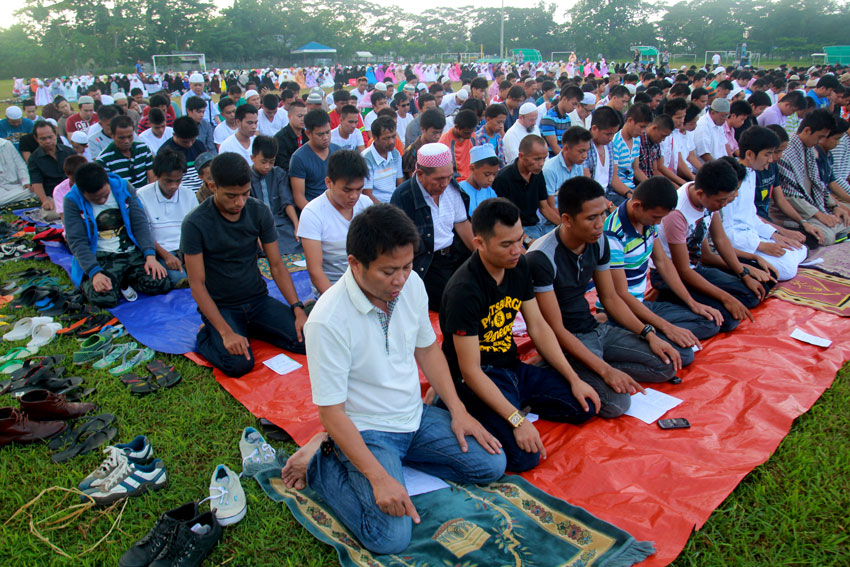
131 359
92 348
25 327
55 384
93 433
96 324
11 366
114 354
151 384
17 353
43 334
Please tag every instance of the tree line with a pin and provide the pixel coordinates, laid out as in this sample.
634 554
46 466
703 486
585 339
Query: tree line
54 37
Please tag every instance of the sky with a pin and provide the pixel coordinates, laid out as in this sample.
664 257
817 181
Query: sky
417 7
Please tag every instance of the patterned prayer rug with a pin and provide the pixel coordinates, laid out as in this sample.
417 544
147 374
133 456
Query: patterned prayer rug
509 522
836 259
289 260
818 290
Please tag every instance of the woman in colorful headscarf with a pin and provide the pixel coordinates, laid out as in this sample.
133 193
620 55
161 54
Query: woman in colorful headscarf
370 75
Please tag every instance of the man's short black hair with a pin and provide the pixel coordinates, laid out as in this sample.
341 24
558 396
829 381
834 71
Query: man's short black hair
780 132
423 98
160 100
121 121
432 119
107 112
606 117
478 83
575 192
270 101
224 103
640 113
265 145
377 230
698 93
286 94
341 96
185 128
653 92
657 192
377 96
840 127
572 92
517 93
679 90
740 170
817 120
230 169
827 82
167 161
382 124
492 211
156 117
347 110
740 108
466 120
674 105
245 110
42 124
619 91
716 176
759 98
195 103
531 140
574 135
757 139
663 122
91 177
316 119
641 98
347 165
495 110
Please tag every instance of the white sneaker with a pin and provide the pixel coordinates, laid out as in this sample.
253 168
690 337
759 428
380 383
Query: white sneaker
256 453
129 294
227 499
129 479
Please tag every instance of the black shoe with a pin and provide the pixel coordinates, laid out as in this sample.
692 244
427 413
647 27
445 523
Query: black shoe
149 547
194 540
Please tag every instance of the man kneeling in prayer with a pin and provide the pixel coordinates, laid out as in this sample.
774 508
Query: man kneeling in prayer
365 337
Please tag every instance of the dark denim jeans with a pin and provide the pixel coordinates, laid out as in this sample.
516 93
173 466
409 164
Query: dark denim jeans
265 318
432 449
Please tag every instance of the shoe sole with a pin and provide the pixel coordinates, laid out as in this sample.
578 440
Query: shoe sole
140 490
232 519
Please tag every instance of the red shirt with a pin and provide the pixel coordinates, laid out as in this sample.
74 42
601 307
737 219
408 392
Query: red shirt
75 122
461 150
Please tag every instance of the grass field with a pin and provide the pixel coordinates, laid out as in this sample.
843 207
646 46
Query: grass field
791 511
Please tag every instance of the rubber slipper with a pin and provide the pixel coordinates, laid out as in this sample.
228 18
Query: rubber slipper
96 325
92 348
24 328
18 353
43 334
131 359
83 439
72 328
11 366
77 393
114 354
114 331
153 383
131 378
53 384
9 287
159 368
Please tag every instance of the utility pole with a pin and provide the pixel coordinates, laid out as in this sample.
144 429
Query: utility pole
502 31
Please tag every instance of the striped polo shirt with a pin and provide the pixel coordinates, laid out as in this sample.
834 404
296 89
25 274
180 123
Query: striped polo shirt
133 169
554 124
625 157
629 250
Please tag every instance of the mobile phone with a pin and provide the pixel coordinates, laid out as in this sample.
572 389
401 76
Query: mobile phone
674 423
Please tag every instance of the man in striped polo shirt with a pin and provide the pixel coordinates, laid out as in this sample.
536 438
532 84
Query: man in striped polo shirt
125 157
630 232
557 120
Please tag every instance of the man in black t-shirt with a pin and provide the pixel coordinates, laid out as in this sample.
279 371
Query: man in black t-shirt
477 315
563 262
219 243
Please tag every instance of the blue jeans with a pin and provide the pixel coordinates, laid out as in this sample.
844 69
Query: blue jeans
432 449
265 318
174 276
545 390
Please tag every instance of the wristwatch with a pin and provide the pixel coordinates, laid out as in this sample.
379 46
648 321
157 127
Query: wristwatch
629 194
744 273
516 419
527 241
297 304
646 330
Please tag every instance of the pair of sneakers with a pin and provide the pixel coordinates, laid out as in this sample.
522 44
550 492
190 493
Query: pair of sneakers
227 497
182 536
128 470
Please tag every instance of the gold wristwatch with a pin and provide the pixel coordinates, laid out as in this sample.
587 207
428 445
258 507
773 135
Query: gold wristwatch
516 419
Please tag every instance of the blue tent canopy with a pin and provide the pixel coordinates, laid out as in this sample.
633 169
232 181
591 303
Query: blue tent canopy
314 47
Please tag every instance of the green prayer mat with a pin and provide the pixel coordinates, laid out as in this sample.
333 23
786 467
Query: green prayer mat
506 523
288 261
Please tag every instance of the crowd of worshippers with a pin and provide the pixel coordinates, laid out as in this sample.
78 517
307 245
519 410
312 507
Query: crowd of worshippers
497 206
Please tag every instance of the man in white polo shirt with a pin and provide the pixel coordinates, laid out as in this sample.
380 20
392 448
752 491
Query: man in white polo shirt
384 161
365 337
246 131
166 204
709 138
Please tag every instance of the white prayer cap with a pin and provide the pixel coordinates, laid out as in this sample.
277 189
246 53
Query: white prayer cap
14 113
589 98
381 87
527 108
118 96
80 137
434 155
106 99
196 78
421 87
251 93
50 120
462 95
719 70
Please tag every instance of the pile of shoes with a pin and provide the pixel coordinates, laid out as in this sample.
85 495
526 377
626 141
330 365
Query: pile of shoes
129 470
42 416
44 373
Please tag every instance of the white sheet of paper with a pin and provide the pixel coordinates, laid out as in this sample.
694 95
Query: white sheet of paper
811 339
651 406
418 482
282 364
300 263
695 348
812 262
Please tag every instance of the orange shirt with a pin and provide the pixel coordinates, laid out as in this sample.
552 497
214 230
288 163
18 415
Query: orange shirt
461 150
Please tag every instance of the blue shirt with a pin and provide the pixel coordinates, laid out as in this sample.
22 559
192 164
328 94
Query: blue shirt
554 124
476 196
822 102
625 158
15 133
555 172
306 165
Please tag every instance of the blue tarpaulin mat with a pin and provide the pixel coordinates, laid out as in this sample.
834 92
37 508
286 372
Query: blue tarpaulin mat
167 323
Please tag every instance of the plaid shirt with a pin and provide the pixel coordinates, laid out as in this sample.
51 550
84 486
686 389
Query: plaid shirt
649 154
797 162
841 162
593 160
480 137
384 318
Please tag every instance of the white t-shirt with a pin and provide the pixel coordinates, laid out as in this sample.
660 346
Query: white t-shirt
152 141
601 173
401 125
321 221
110 224
351 143
368 119
352 361
165 216
709 138
268 127
231 144
222 132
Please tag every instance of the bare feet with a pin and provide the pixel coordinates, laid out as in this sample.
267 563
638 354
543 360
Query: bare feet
294 473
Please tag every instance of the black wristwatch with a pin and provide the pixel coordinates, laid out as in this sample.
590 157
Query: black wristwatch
744 273
297 304
646 330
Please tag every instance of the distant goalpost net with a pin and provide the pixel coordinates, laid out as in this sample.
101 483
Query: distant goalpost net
554 53
180 62
684 57
724 56
468 57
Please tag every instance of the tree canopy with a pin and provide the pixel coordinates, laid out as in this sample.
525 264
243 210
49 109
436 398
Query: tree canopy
65 36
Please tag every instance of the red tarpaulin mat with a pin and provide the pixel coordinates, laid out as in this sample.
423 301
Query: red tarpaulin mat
741 396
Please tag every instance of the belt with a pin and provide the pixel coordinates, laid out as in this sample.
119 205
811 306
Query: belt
444 252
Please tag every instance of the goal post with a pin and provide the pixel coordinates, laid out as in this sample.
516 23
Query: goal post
724 55
554 53
181 61
465 57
